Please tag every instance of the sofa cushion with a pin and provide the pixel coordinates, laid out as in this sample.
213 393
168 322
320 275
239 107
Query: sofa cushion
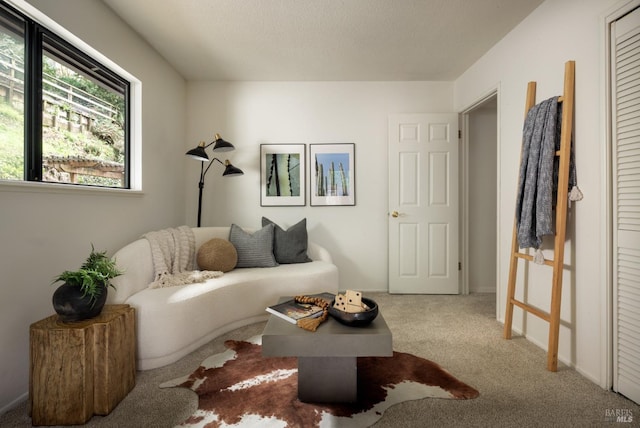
254 249
218 255
290 246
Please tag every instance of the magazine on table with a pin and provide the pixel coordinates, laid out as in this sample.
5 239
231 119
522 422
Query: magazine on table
293 311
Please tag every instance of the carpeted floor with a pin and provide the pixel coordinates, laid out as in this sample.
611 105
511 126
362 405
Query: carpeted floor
460 333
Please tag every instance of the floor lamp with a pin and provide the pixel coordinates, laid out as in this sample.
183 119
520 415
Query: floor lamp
199 153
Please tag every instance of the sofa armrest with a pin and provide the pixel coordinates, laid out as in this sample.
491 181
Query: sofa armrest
316 252
136 263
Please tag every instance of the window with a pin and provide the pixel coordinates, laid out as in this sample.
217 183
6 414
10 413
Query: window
64 117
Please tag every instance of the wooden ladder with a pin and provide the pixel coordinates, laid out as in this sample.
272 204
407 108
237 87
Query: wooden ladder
553 317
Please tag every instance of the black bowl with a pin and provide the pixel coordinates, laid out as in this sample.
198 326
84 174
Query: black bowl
357 319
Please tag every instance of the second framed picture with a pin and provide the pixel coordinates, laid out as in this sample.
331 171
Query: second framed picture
282 175
332 174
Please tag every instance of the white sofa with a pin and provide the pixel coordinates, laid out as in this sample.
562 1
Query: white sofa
171 322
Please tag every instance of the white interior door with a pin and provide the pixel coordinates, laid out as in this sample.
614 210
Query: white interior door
625 72
423 203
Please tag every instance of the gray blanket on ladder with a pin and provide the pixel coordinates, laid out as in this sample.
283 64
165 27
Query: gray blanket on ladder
538 179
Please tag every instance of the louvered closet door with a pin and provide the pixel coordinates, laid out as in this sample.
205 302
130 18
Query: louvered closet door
626 158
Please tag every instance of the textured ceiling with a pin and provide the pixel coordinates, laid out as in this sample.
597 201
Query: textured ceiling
322 39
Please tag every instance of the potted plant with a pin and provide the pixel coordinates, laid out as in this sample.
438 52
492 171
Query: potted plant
84 292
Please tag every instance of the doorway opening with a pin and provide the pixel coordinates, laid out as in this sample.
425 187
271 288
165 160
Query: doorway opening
479 216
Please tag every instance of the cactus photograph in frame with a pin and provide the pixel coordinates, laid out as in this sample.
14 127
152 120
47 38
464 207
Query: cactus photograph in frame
332 169
282 177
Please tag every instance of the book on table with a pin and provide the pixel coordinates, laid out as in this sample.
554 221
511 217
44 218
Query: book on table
293 311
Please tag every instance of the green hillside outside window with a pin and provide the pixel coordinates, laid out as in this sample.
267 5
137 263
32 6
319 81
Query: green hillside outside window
64 117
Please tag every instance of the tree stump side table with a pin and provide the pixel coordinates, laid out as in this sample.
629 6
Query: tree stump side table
82 368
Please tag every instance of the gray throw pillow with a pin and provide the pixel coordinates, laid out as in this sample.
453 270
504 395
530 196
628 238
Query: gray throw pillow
290 246
254 249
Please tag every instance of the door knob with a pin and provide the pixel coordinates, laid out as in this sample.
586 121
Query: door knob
395 214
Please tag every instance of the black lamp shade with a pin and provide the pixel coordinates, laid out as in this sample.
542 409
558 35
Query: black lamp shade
222 145
231 170
198 154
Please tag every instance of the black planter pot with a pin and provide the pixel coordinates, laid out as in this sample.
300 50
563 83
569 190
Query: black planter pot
73 305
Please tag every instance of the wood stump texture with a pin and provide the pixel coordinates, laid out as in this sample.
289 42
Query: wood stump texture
81 368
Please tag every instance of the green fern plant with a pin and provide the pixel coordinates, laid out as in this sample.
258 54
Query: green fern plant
93 276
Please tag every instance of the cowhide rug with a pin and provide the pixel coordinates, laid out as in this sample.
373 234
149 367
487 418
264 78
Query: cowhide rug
240 388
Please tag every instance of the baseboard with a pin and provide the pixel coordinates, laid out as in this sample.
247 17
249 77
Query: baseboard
15 403
483 290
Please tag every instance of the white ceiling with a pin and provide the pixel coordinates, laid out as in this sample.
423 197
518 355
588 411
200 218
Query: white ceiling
294 40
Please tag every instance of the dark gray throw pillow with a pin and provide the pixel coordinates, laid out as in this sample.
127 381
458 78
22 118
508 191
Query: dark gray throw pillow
290 246
254 249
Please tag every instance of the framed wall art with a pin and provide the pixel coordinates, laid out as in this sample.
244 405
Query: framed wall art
282 175
332 169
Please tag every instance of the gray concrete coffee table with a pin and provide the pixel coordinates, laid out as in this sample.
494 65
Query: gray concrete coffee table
327 358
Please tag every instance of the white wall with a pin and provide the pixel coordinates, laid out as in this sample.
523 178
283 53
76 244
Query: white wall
44 231
557 31
251 113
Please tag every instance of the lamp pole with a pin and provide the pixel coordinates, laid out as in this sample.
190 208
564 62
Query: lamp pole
200 188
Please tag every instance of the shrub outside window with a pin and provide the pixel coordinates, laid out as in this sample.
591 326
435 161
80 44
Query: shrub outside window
64 117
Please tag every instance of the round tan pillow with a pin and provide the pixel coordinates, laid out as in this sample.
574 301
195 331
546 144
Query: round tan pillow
217 254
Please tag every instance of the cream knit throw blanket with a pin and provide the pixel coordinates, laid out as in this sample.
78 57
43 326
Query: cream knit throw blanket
173 251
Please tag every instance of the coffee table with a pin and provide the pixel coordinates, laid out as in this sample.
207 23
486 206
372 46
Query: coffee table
327 358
